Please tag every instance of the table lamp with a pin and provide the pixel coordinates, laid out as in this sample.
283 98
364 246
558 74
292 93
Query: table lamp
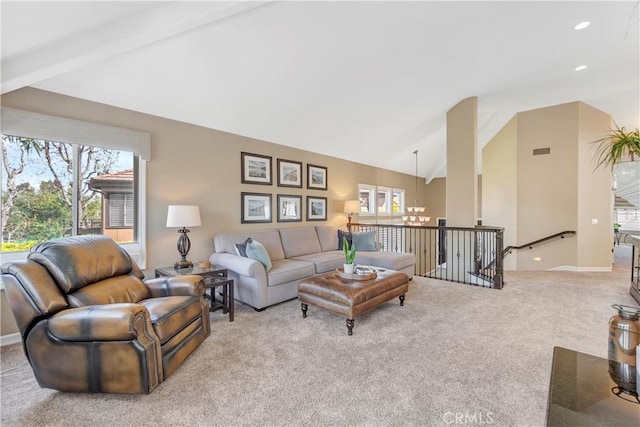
351 207
183 216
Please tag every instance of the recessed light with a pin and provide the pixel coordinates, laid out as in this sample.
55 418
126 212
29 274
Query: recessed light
582 25
580 67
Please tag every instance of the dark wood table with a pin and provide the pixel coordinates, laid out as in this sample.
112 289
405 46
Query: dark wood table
583 392
214 277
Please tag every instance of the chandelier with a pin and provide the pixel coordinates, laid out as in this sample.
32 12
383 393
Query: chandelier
416 213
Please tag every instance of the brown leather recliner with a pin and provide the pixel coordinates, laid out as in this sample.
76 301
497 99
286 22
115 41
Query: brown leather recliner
89 323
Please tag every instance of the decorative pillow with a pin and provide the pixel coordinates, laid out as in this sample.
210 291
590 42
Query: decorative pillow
241 248
257 251
342 234
365 241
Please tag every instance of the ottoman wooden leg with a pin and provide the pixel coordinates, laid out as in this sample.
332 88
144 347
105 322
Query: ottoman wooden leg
402 300
350 323
304 308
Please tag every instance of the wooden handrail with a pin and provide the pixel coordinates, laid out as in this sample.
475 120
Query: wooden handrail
530 245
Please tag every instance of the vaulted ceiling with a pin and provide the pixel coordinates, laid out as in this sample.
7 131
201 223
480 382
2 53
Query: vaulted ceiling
365 81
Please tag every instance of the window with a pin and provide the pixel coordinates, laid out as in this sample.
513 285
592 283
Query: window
381 201
629 219
63 177
120 210
367 195
383 205
398 201
54 189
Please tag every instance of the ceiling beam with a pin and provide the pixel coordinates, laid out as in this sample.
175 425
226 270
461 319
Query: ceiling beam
115 38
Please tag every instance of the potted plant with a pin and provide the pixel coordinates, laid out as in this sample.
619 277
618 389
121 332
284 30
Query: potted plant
349 255
619 145
616 227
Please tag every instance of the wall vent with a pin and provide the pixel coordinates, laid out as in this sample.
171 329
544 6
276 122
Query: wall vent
541 151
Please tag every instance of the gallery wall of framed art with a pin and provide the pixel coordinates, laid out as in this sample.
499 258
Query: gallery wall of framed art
257 207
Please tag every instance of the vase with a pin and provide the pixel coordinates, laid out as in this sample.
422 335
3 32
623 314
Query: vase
348 268
624 338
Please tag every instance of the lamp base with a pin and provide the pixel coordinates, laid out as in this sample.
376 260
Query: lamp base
182 264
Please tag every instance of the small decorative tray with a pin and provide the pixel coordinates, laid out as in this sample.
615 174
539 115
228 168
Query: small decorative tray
371 274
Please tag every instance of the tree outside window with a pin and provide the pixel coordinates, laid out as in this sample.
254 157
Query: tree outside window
46 191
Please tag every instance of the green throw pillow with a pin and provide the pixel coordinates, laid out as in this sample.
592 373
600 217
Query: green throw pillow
257 251
364 241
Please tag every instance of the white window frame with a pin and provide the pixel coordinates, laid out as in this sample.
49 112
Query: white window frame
371 189
45 127
387 207
401 193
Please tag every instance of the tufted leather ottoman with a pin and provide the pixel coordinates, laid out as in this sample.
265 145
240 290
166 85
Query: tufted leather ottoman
350 298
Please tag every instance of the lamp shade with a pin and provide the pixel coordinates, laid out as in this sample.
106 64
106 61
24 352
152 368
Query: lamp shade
183 216
352 206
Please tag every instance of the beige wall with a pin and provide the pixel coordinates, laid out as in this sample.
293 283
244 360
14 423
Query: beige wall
196 165
500 189
547 185
595 198
436 196
555 192
462 184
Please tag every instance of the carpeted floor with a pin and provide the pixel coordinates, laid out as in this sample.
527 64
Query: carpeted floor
451 349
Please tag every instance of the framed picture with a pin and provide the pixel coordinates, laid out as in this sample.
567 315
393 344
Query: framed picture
289 173
316 208
256 169
289 208
316 177
256 207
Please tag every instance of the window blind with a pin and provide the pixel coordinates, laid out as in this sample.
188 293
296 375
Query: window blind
52 128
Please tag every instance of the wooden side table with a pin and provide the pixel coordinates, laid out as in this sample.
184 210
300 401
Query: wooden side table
214 277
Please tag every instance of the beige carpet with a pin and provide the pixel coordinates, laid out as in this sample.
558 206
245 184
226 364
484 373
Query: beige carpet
451 349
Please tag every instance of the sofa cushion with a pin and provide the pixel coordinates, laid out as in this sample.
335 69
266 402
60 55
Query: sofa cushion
241 248
225 242
328 237
286 270
298 241
390 260
170 314
324 261
364 241
341 236
119 289
256 250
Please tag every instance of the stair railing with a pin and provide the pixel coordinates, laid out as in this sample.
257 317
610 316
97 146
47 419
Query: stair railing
530 245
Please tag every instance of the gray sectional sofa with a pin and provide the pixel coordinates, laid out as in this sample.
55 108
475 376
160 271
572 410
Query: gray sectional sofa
296 253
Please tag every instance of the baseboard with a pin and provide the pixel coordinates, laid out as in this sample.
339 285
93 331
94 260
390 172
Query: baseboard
581 269
9 339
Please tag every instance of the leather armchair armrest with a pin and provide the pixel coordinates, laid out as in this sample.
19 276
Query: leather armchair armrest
190 284
108 322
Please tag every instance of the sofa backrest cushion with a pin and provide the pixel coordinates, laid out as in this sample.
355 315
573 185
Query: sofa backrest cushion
298 241
328 237
224 242
75 262
117 289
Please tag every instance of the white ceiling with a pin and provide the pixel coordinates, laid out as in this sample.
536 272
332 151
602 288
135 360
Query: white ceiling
365 81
